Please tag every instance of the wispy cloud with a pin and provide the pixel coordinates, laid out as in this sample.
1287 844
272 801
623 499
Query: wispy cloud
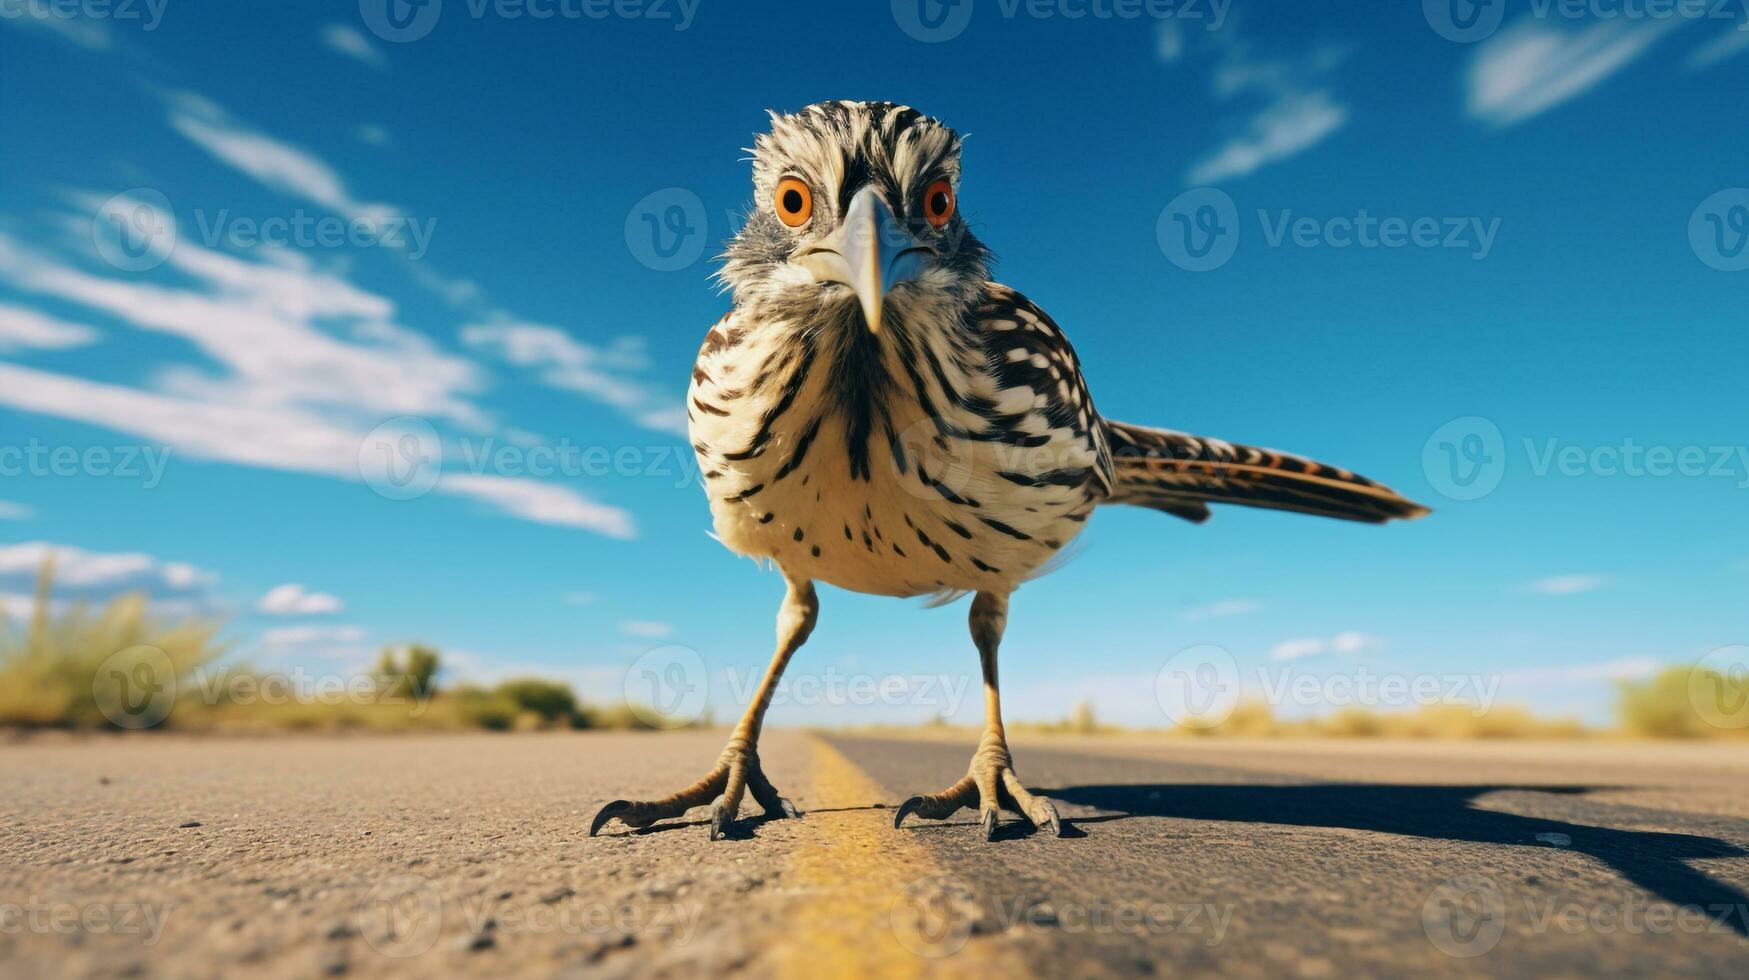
293 599
1535 64
602 374
1296 108
349 41
22 328
599 374
295 396
1624 669
1567 584
1734 41
90 34
645 629
372 133
1222 609
174 586
1348 643
327 642
580 598
10 511
272 161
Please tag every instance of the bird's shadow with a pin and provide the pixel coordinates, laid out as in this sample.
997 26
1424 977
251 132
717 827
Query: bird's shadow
1657 862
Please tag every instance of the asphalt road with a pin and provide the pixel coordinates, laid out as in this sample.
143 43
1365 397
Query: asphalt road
464 855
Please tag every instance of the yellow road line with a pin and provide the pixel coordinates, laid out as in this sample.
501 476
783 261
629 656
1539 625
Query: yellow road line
872 902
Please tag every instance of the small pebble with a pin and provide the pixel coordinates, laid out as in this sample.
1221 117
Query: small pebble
1559 840
191 823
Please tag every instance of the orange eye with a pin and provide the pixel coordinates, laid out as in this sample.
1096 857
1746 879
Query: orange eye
938 203
794 202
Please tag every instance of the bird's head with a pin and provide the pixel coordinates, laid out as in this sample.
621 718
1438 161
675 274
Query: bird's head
856 214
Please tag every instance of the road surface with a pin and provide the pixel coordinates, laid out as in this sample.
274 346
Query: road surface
462 855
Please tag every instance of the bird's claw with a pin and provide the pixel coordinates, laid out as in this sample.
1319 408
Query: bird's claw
737 770
606 813
972 791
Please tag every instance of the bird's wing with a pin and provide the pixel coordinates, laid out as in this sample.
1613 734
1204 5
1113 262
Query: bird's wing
1182 474
1025 349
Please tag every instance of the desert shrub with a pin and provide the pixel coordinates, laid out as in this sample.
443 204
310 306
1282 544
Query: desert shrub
1685 702
52 662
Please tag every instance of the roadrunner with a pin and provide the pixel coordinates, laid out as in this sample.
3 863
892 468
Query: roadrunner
876 413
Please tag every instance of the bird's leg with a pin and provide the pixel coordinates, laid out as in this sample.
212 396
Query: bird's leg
737 769
990 782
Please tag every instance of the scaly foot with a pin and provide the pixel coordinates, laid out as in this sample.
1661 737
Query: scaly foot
988 785
737 769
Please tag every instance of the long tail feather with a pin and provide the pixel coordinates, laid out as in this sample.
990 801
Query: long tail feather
1182 474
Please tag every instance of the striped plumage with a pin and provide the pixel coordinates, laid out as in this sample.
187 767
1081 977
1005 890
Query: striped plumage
967 454
876 413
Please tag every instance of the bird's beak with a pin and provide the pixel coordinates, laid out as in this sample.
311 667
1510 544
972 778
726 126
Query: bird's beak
871 252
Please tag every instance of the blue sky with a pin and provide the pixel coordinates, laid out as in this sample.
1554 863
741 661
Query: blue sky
244 248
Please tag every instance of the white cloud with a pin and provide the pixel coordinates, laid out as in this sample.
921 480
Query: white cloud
1297 110
292 599
313 364
1348 644
1295 649
372 133
1625 669
304 636
543 503
598 373
349 41
645 628
1354 644
93 35
1535 64
1279 131
271 161
1734 41
21 328
571 365
1222 609
100 576
1568 584
1169 40
345 643
580 598
10 511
